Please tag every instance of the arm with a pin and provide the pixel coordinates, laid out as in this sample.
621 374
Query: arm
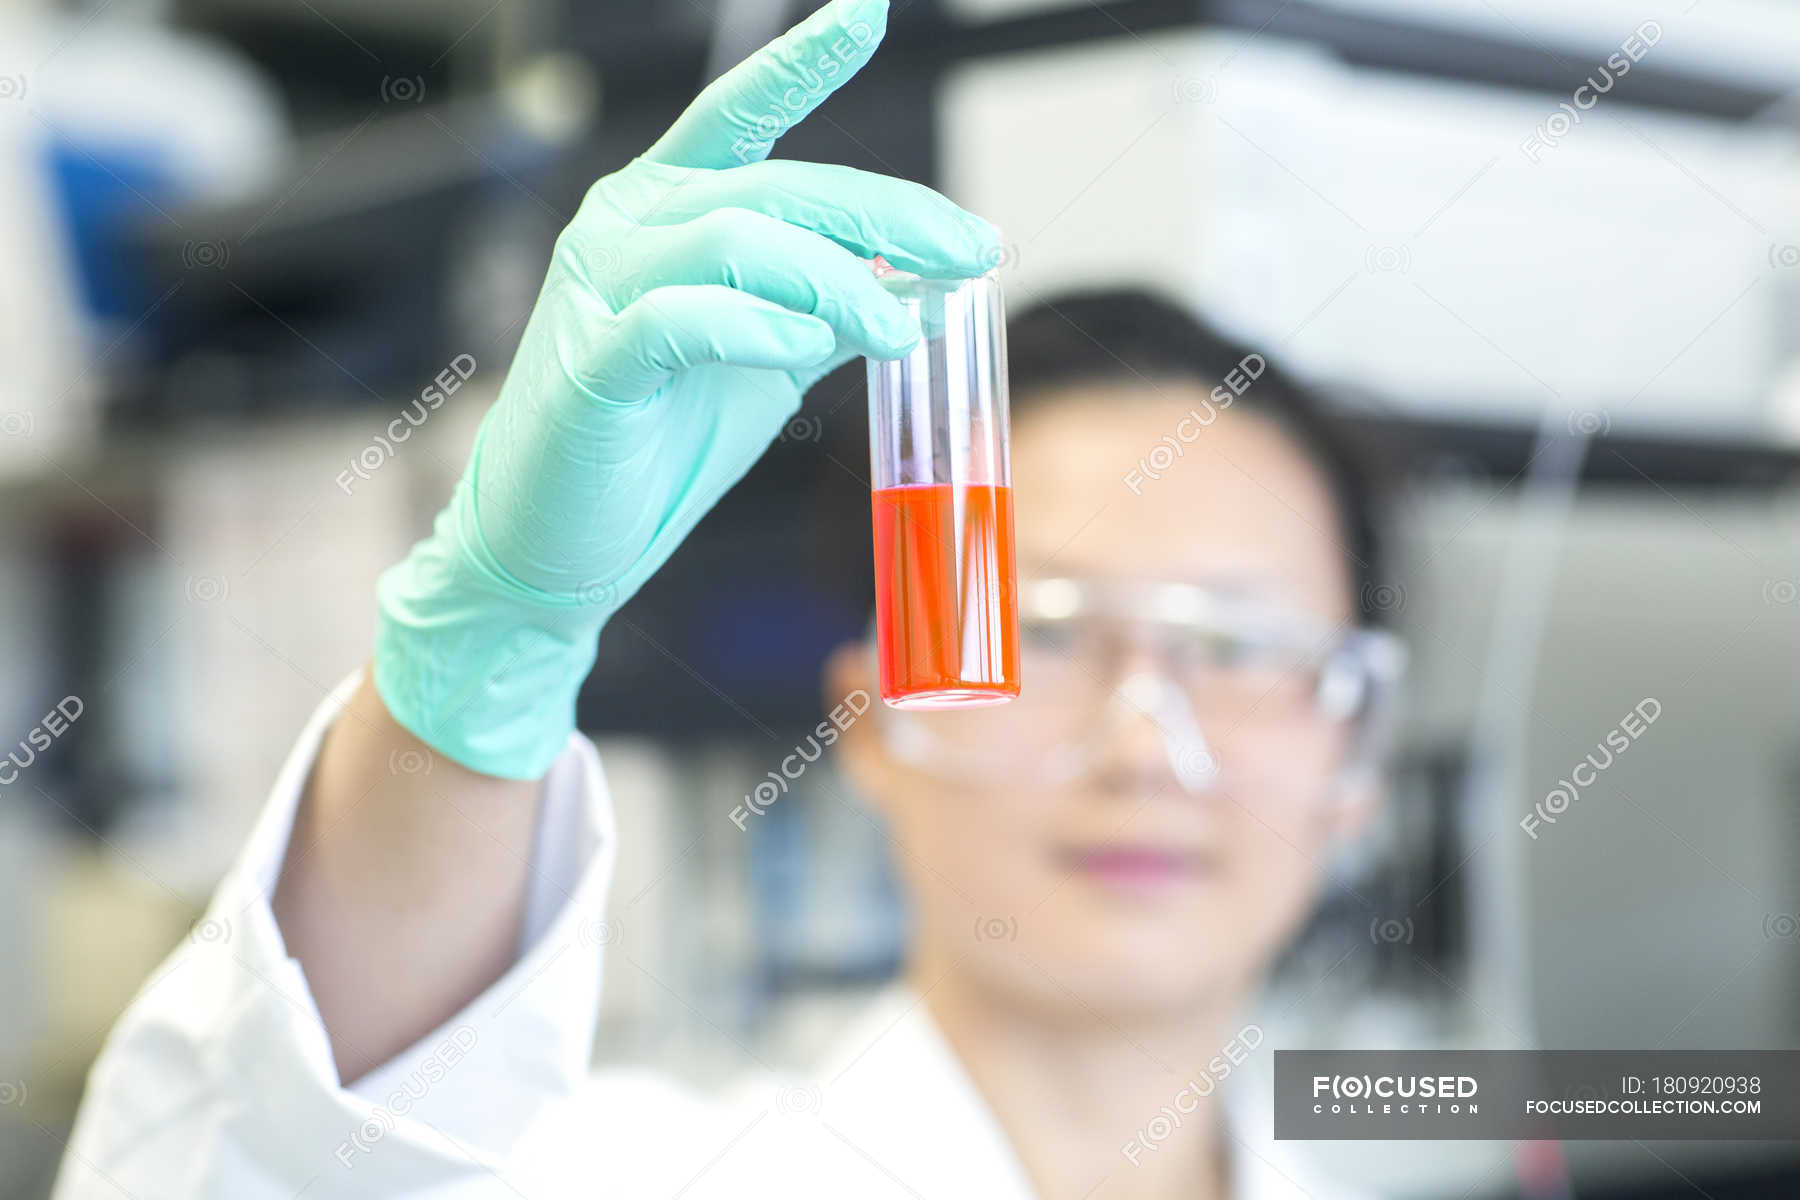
691 302
219 1082
392 847
375 1020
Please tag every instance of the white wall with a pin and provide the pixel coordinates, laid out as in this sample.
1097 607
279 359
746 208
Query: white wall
1392 234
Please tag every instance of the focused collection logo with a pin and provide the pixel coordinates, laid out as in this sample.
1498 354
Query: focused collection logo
1389 1095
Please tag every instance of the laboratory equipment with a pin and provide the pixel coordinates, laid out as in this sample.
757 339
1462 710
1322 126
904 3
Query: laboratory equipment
946 608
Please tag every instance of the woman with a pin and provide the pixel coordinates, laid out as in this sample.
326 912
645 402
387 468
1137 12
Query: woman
1099 873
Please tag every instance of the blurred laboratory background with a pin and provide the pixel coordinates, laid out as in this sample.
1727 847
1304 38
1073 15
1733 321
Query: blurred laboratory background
240 236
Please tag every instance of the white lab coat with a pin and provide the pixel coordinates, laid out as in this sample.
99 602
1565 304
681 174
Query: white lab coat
218 1083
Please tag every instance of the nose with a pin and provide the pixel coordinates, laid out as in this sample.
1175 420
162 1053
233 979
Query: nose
1150 705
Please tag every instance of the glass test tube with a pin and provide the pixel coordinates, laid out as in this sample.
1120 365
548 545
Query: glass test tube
946 604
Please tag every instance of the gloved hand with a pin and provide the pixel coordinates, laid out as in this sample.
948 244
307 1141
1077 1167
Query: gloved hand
696 295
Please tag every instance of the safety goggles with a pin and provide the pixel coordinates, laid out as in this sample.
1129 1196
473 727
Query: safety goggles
1096 656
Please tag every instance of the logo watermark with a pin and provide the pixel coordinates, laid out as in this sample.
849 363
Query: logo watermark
1618 740
1002 257
1162 456
1387 260
810 82
799 1100
1186 1102
411 761
206 256
210 931
803 429
208 589
445 384
40 737
996 929
1383 597
402 89
1391 931
384 1118
1558 125
766 792
1406 1094
595 932
1592 422
1510 1095
1195 89
1781 927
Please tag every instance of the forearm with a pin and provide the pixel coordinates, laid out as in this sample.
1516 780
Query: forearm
218 1083
404 884
695 297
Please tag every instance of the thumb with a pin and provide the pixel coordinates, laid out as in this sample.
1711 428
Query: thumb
739 116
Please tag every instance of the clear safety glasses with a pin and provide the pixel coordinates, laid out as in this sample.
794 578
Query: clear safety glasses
1191 661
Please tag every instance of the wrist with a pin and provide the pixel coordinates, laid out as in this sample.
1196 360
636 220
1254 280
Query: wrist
479 667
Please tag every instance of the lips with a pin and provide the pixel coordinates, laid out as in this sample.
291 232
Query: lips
1137 869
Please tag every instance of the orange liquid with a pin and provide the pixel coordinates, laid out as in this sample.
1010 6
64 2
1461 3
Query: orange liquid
946 610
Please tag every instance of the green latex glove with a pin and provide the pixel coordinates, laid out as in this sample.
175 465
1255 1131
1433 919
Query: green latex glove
694 298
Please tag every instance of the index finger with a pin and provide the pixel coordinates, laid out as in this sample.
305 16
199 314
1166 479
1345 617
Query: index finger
737 118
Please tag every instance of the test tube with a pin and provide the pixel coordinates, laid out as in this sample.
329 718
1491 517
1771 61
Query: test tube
946 604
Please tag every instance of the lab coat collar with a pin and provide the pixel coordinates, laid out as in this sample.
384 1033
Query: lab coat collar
894 1088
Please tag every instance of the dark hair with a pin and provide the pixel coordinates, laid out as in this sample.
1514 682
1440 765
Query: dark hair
1122 335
